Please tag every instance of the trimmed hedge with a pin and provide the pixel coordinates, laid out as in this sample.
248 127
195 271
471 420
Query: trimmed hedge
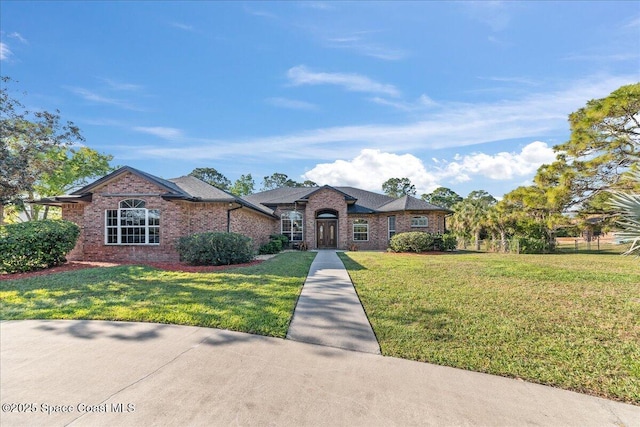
34 245
214 248
418 241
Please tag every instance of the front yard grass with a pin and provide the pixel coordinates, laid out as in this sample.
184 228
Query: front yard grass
259 299
571 321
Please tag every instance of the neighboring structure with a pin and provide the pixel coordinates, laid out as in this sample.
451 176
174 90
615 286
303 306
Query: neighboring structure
130 215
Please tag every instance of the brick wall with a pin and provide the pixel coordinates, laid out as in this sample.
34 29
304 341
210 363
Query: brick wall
92 245
177 219
252 224
74 212
326 199
379 227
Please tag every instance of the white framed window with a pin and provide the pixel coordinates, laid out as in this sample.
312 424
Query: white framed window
391 221
291 225
132 224
419 221
360 230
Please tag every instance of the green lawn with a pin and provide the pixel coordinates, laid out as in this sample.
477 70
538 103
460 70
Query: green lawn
258 299
571 321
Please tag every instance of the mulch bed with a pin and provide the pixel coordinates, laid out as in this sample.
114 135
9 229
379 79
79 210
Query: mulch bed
81 265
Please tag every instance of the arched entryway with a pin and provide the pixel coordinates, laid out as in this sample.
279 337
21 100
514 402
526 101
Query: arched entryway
327 229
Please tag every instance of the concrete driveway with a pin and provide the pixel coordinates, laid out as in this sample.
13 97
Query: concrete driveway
139 374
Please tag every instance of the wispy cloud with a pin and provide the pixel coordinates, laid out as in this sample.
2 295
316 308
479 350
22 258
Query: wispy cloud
301 75
18 36
292 104
357 43
260 13
494 14
5 52
318 5
448 125
604 57
94 97
181 26
421 103
121 86
168 133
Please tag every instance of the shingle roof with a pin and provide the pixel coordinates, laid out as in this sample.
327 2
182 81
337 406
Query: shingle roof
193 189
365 201
184 188
409 203
172 189
196 188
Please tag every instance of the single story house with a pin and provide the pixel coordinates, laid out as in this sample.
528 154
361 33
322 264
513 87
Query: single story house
132 215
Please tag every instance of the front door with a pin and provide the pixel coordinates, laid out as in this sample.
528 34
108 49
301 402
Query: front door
326 232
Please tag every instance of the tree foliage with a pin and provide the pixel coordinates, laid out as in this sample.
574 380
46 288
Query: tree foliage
604 145
397 187
443 197
212 177
26 138
243 186
279 180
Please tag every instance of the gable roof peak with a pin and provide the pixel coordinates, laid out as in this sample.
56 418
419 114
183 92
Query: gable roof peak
170 187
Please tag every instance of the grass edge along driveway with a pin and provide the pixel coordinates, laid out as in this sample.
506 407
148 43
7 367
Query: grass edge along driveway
258 299
570 321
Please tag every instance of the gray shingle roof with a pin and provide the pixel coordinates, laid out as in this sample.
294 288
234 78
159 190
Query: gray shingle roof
365 201
195 188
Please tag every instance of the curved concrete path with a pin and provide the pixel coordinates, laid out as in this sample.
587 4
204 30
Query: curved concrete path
142 374
329 311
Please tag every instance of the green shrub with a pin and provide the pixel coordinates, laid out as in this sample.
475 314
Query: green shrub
449 242
214 248
282 238
273 247
416 241
33 245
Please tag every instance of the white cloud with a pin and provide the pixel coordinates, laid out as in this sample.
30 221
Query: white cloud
5 52
371 168
301 75
292 104
500 166
161 132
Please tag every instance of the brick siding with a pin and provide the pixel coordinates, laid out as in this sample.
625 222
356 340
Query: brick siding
181 218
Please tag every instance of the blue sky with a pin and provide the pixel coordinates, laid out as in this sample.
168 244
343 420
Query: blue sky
466 95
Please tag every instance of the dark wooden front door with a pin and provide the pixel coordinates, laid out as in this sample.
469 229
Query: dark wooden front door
326 233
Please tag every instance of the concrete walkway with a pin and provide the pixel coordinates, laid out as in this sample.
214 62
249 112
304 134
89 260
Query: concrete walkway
329 311
144 374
